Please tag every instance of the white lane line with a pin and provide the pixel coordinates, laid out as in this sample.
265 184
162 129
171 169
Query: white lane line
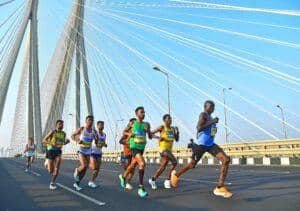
183 179
100 203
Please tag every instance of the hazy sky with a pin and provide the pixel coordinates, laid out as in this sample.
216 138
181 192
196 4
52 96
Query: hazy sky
204 50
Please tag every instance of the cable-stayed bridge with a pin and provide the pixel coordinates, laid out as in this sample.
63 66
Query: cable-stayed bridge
67 59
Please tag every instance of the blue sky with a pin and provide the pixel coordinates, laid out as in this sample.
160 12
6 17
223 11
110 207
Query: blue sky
254 96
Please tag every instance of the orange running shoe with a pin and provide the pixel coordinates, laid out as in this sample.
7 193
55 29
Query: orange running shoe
174 179
222 191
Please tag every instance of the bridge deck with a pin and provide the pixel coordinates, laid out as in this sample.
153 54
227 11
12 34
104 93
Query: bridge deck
259 188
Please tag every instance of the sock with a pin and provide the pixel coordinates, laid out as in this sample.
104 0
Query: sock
141 176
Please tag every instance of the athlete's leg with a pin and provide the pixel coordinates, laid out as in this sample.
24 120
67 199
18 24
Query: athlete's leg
83 165
130 168
225 160
173 165
163 164
56 168
141 163
95 167
50 166
27 162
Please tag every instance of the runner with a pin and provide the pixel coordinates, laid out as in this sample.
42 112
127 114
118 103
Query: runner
206 131
54 142
29 154
87 135
137 145
127 152
167 136
96 155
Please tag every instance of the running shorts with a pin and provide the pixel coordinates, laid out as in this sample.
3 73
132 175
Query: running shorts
199 150
52 154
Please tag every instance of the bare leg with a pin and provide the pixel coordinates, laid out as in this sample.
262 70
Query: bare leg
225 160
172 165
163 164
57 163
84 162
96 167
141 162
187 167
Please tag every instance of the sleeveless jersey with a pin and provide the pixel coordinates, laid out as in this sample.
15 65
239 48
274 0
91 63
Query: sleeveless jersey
57 141
97 148
167 137
207 136
138 141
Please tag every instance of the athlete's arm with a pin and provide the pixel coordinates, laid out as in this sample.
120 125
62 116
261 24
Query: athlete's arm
127 131
26 148
148 130
66 140
47 137
158 129
204 122
176 133
75 134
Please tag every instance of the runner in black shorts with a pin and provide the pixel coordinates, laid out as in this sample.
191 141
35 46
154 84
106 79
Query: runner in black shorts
206 131
55 140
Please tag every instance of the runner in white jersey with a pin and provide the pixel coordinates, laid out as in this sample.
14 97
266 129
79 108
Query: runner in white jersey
86 136
29 153
96 155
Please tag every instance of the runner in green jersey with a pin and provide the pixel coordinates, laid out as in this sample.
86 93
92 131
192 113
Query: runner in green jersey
137 143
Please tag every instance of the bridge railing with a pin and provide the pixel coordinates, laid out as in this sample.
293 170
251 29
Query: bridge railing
260 152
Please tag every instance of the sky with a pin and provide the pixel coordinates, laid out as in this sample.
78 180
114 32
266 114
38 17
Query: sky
203 50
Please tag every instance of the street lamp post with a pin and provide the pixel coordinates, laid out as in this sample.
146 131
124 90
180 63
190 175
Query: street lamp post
225 116
168 86
283 121
116 134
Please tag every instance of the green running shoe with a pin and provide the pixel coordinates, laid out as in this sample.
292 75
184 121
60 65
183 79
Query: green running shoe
122 181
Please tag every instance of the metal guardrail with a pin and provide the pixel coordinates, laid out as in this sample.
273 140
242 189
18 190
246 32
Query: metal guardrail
289 148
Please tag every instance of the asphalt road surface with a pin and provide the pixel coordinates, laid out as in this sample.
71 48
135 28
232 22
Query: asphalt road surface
254 188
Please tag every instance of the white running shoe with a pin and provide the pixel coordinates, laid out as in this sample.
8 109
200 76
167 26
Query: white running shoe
92 184
76 176
128 186
167 184
52 186
153 184
77 187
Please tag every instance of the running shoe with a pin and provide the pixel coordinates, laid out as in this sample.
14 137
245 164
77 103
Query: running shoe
92 184
153 184
76 176
128 186
52 186
222 191
167 184
174 179
142 192
26 170
77 187
122 181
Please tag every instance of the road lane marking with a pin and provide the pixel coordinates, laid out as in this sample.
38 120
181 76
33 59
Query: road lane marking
100 203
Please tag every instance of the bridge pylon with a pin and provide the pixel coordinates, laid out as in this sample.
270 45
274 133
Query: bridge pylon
29 81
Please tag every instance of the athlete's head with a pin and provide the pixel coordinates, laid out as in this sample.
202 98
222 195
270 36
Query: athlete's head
59 124
89 120
167 119
30 141
209 106
100 125
140 112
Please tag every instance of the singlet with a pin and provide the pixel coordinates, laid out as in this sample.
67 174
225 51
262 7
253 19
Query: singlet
31 149
97 148
167 137
138 141
87 137
58 140
207 136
